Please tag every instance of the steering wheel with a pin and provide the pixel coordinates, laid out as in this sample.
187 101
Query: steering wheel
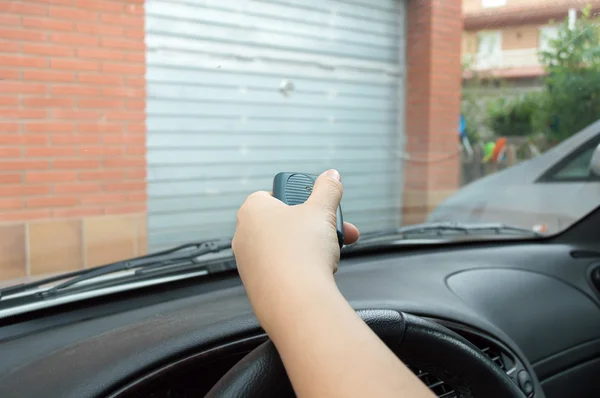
418 342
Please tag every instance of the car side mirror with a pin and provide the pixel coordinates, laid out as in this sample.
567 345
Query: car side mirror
595 162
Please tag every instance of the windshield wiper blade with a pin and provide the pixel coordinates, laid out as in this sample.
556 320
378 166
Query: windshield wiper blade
186 253
440 229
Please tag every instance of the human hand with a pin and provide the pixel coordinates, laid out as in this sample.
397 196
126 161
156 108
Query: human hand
279 247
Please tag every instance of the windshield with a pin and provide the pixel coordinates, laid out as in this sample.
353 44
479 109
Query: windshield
131 127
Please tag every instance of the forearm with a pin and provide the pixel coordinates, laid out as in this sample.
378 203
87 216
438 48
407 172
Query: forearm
328 351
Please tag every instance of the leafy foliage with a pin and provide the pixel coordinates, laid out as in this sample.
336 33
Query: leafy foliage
513 117
572 88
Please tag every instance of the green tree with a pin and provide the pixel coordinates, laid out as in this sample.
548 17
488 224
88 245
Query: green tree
572 87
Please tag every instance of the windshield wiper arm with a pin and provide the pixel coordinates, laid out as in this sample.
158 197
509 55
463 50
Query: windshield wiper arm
187 253
445 228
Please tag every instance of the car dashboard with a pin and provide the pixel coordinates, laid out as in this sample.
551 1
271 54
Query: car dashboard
531 307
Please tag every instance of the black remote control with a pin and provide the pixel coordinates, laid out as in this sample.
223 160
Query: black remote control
295 188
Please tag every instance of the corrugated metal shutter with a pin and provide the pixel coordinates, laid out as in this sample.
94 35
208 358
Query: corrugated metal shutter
220 126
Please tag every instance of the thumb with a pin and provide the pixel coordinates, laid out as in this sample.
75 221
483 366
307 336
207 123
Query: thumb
327 191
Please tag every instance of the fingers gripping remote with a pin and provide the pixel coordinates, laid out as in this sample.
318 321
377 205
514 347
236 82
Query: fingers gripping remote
295 188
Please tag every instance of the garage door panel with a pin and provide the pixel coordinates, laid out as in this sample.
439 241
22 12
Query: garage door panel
250 37
285 12
281 110
167 141
220 127
161 10
197 78
269 97
199 125
162 172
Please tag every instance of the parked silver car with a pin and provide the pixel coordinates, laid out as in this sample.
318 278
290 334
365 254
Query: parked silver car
547 193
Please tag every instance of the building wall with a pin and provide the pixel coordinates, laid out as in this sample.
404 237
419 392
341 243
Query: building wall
432 105
470 6
72 134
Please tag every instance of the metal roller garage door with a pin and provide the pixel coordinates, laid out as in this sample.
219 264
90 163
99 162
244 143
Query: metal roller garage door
241 89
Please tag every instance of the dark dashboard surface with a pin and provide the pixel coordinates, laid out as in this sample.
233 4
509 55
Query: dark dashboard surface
536 298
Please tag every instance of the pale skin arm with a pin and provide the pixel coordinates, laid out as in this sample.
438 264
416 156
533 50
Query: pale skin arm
286 257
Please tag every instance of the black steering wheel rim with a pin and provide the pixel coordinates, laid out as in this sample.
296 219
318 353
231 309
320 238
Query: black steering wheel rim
418 342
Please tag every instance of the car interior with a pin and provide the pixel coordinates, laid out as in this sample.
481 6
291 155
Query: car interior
509 318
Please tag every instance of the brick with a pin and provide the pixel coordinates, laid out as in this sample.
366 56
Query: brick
48 76
99 5
74 90
55 2
21 8
124 92
136 173
22 88
74 64
23 62
53 201
135 33
136 128
10 178
23 190
50 176
10 152
136 57
104 198
76 164
23 164
47 24
123 20
97 78
136 150
51 50
10 19
18 34
103 175
99 103
78 212
135 105
9 46
49 127
101 150
77 188
137 197
123 68
74 114
42 152
11 204
21 114
71 139
100 53
115 115
9 101
125 186
119 162
9 127
100 30
123 44
124 139
104 128
17 139
47 102
128 209
25 215
135 81
73 14
74 39
10 74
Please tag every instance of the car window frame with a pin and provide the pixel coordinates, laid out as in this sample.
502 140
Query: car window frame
549 176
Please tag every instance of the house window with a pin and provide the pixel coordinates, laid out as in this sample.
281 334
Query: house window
493 3
489 43
547 33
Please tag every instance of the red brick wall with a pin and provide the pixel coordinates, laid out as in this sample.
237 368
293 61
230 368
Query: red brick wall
434 30
72 113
